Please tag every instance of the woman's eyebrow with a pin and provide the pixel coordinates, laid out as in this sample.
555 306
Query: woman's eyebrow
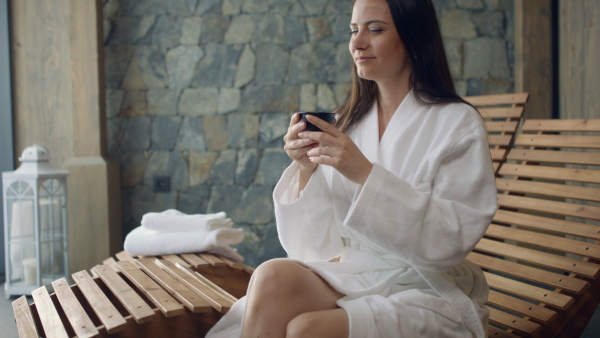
354 24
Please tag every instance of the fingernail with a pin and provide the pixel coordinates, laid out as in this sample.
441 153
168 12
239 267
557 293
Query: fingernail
301 134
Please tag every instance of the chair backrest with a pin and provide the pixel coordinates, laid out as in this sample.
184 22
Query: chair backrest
502 113
541 254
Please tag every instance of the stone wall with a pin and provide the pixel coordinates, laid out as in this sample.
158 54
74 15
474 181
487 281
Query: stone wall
201 91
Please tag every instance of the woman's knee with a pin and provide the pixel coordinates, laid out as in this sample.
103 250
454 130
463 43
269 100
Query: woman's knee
275 276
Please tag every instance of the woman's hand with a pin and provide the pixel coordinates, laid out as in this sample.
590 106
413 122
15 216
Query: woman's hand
337 150
296 147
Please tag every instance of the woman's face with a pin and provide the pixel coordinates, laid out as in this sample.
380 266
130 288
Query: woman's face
375 45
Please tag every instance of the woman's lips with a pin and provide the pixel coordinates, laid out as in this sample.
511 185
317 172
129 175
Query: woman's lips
363 59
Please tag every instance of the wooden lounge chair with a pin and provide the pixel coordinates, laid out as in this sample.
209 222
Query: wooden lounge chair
541 254
502 114
169 296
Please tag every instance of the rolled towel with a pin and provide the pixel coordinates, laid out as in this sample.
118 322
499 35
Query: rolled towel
175 220
143 242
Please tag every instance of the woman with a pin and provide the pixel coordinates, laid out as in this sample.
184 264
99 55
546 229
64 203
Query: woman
401 193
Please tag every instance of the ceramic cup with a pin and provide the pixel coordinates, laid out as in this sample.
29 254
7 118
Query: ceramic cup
326 116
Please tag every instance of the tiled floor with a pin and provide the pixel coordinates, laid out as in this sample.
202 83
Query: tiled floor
8 329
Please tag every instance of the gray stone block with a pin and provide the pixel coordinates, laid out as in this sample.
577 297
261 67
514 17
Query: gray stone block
134 104
456 23
489 24
191 30
198 101
255 206
146 69
246 68
247 165
470 4
295 31
271 246
200 164
270 29
318 28
486 57
191 134
225 198
164 132
114 99
273 127
242 130
454 52
180 62
208 7
167 163
167 31
135 133
133 165
117 59
194 200
223 171
241 30
272 63
129 30
218 67
314 7
163 101
232 7
229 100
146 7
215 132
272 164
182 7
214 27
255 6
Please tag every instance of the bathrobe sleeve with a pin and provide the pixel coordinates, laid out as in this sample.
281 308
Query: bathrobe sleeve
306 224
433 222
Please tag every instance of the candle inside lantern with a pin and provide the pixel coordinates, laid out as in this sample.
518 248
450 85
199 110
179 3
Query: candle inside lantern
30 273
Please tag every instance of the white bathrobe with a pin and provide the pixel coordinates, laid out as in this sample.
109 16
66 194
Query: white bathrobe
404 234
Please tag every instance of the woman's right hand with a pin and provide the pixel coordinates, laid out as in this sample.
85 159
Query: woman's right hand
297 147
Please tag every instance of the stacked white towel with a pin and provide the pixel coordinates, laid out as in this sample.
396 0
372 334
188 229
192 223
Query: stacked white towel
173 232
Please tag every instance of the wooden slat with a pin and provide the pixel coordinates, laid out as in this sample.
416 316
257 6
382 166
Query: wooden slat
80 321
112 263
558 141
211 259
175 259
552 207
501 112
553 125
510 321
188 298
232 264
494 332
208 282
545 241
498 154
529 273
159 297
545 259
554 156
500 140
103 308
218 301
53 326
135 305
124 256
521 307
195 261
24 318
547 224
497 99
551 173
532 292
501 126
548 189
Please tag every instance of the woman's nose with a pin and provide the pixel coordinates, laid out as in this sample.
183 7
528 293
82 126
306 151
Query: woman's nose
358 41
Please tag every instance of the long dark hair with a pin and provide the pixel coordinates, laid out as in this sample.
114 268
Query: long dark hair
430 80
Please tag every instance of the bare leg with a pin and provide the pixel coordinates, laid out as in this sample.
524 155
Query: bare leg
281 290
326 324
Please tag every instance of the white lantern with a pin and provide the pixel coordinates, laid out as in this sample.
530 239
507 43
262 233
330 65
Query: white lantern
35 223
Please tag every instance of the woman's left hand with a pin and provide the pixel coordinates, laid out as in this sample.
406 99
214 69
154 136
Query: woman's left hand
338 151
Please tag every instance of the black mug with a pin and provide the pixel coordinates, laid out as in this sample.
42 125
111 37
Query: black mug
325 116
